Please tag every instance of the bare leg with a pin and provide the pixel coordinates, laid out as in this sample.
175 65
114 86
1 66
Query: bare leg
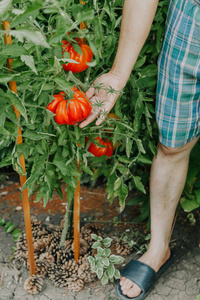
167 180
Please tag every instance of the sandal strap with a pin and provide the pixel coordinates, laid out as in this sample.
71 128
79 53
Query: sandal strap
140 273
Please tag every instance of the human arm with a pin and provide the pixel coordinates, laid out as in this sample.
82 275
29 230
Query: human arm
137 18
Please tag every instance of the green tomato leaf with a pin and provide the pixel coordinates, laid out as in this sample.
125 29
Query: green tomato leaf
29 35
5 6
29 61
139 184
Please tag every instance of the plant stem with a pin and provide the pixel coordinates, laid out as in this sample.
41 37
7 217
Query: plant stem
66 223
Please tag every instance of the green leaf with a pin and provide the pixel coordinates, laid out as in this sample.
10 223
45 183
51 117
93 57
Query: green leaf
134 201
13 51
197 196
104 280
140 62
139 184
107 252
9 227
96 245
140 146
107 241
91 259
17 102
111 271
99 273
32 179
117 274
3 131
7 161
129 144
29 61
62 83
29 35
2 222
115 259
94 236
16 233
188 205
30 11
118 182
145 160
105 261
4 6
4 78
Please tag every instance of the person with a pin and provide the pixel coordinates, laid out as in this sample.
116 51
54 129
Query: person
177 115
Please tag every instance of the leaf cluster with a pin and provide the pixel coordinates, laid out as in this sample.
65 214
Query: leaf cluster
103 264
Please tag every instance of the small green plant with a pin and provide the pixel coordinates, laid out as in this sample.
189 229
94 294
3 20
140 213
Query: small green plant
197 297
103 264
136 240
10 228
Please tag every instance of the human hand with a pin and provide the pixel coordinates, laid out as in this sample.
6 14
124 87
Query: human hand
102 99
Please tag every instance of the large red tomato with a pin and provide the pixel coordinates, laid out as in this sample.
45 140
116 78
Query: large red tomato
81 59
70 111
99 151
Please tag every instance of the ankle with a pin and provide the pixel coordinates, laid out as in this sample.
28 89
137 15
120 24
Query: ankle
160 249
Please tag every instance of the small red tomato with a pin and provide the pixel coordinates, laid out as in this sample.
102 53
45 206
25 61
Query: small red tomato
99 151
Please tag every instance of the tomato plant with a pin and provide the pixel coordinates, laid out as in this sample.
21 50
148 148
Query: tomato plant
51 149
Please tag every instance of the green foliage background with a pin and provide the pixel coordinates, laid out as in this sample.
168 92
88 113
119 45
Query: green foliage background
50 150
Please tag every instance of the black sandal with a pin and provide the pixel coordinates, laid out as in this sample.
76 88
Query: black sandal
141 274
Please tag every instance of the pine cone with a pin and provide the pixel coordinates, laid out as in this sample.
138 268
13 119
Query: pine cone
83 247
33 285
60 278
41 268
86 232
123 248
85 273
74 284
51 268
71 266
47 257
41 244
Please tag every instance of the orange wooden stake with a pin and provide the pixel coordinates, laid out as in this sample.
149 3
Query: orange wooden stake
25 200
77 195
77 222
83 25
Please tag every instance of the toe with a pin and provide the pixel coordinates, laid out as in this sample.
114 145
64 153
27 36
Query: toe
122 280
134 291
126 286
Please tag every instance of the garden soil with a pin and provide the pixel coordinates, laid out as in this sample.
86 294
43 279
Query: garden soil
180 282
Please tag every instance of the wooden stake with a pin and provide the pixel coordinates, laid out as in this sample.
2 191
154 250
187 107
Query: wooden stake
77 222
25 200
83 25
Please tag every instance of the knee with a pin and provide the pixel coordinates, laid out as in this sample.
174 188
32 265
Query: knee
170 152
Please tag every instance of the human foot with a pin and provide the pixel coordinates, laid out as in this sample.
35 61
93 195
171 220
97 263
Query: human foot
154 260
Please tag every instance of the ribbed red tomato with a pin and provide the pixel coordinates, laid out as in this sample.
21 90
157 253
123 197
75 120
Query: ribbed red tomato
70 111
99 151
82 60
